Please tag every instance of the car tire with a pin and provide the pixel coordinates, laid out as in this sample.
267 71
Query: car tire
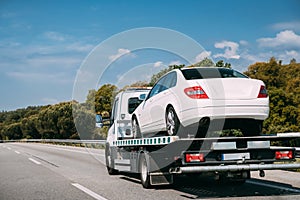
109 162
144 171
172 122
136 131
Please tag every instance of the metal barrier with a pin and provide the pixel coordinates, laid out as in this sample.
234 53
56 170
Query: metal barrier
70 141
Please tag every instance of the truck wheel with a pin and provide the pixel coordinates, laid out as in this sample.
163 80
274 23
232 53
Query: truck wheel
109 162
172 122
144 172
136 131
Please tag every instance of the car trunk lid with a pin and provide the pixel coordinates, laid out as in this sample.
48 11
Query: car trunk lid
230 88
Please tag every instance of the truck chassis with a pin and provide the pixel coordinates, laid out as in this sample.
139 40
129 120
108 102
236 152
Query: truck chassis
158 159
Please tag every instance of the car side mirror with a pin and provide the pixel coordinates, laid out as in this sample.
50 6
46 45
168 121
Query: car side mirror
100 121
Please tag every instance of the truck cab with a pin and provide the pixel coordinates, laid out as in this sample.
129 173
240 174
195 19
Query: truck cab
123 106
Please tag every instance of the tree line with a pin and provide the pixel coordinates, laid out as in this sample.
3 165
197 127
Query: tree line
58 122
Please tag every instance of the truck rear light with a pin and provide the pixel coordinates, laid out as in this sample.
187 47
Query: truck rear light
195 92
194 157
263 93
279 155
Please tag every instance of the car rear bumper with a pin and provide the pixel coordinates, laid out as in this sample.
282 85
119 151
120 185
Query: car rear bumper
193 115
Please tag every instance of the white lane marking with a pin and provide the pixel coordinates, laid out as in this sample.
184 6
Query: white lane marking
34 161
17 152
8 148
273 186
89 192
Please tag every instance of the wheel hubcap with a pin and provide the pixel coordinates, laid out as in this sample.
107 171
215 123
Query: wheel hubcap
170 123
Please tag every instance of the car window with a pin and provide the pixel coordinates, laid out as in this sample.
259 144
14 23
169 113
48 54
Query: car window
206 73
133 103
157 88
170 80
115 109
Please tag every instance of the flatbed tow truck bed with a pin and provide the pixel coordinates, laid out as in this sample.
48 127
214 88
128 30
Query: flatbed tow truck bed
165 156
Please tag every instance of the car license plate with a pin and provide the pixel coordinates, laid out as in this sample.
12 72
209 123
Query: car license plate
235 156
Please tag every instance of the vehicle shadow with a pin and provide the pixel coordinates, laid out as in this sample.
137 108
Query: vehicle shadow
199 186
206 187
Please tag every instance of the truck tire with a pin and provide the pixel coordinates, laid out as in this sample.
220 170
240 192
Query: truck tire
172 122
109 162
136 131
144 171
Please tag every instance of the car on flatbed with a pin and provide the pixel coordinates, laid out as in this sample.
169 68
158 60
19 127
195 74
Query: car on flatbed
198 100
159 159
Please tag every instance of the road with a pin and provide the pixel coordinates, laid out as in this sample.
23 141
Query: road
44 171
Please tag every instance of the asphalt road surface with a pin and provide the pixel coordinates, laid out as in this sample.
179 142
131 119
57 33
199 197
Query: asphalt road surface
43 171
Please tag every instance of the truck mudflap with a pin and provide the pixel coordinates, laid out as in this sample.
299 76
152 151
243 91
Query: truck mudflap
233 168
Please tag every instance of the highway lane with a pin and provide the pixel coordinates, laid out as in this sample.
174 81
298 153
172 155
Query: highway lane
43 171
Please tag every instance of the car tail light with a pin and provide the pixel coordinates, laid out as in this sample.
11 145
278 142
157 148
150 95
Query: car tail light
196 92
194 157
263 93
279 155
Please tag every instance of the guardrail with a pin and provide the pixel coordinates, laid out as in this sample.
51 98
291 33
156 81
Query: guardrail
60 141
57 140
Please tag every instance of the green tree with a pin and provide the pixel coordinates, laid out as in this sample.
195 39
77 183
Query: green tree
29 129
104 97
221 63
206 62
12 131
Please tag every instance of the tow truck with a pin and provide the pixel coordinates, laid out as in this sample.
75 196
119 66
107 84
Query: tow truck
159 159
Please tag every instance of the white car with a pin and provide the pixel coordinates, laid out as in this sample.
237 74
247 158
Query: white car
190 102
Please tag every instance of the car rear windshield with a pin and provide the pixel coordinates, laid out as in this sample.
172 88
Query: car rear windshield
205 73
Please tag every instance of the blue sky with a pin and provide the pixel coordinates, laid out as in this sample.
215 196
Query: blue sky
43 43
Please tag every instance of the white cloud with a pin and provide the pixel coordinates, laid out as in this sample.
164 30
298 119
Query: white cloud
287 56
244 42
55 36
295 25
120 53
158 64
292 53
285 39
202 55
79 47
176 62
230 49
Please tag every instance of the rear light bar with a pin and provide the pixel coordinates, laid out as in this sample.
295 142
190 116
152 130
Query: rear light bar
194 157
263 93
280 155
195 92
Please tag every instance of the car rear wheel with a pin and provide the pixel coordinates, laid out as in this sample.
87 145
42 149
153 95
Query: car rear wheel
172 122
